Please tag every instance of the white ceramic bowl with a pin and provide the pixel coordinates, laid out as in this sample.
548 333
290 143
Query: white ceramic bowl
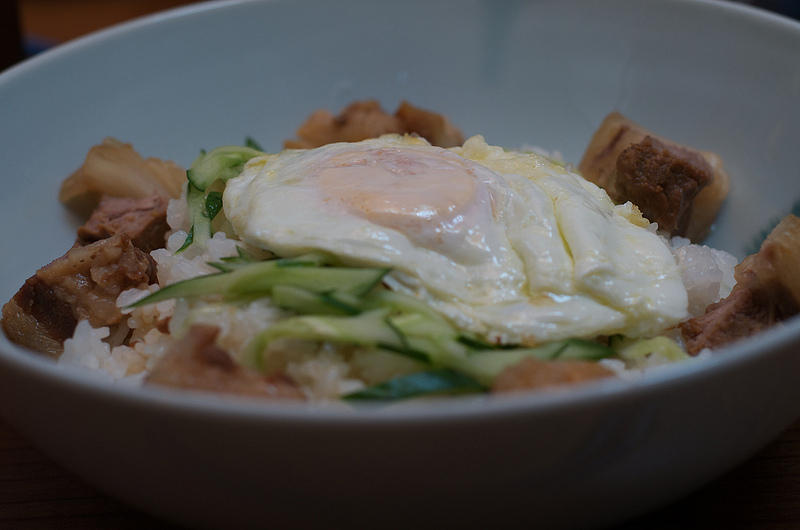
711 74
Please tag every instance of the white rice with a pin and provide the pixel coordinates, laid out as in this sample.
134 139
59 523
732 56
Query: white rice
707 273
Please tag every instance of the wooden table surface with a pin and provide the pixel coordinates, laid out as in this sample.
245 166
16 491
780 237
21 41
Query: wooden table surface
36 492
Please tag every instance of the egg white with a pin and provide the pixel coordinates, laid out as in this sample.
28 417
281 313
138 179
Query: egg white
506 244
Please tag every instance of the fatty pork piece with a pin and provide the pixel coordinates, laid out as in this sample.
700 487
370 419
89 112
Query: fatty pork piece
143 220
113 168
767 291
81 285
678 187
362 120
196 362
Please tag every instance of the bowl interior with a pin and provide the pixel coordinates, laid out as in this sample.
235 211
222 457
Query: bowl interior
713 75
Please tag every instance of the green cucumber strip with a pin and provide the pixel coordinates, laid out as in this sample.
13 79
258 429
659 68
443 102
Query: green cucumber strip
252 144
404 304
342 302
231 264
305 302
390 322
221 163
415 349
421 335
431 382
203 209
419 325
369 329
258 279
200 230
406 350
188 241
213 204
243 259
366 329
485 365
211 284
580 350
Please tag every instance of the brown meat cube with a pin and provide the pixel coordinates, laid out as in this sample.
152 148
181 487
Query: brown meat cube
82 284
699 207
532 373
196 362
143 220
767 291
662 181
362 120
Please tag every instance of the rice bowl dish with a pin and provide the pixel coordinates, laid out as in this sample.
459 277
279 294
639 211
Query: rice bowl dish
612 445
505 247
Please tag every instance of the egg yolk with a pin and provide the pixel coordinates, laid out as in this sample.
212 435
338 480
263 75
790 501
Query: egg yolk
432 197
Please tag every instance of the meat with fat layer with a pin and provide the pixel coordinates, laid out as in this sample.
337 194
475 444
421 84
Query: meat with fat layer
116 169
81 285
38 319
767 291
362 120
196 362
678 187
143 220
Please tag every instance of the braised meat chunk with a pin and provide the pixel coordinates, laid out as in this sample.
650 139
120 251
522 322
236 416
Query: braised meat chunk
679 188
143 220
767 291
82 284
196 362
661 181
38 319
362 120
434 127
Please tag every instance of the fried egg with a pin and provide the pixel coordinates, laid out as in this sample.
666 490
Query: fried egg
506 244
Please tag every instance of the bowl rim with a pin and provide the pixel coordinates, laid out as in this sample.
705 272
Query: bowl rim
20 361
120 28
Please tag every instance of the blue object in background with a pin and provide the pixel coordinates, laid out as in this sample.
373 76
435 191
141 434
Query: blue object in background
34 45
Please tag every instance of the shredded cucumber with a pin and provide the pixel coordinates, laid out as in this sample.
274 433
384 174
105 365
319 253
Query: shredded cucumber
221 163
218 165
257 279
484 365
475 371
346 305
202 216
388 322
305 302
